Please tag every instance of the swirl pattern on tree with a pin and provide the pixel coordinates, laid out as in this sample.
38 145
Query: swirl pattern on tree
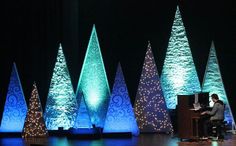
15 107
120 116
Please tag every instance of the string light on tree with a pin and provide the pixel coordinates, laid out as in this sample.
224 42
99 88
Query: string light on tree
150 107
34 124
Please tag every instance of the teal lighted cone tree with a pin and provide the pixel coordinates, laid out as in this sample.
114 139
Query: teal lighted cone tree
61 105
34 123
179 74
150 106
83 119
93 82
213 82
120 115
15 107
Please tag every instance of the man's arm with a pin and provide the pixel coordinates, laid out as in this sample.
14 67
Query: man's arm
214 109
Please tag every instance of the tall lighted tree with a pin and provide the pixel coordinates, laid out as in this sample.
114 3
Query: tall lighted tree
120 115
179 75
150 106
15 107
213 82
93 82
83 119
61 106
34 123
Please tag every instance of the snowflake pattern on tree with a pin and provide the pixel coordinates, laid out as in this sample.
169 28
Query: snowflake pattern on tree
61 106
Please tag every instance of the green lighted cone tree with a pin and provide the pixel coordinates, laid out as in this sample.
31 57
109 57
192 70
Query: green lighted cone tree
61 106
179 75
93 82
150 107
213 82
34 123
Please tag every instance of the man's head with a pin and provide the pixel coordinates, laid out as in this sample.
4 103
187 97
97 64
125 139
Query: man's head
214 97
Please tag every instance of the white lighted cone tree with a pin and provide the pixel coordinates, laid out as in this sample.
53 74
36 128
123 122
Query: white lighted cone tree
61 106
150 106
179 75
213 82
34 123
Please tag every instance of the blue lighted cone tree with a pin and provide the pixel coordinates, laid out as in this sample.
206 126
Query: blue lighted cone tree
120 115
179 75
83 119
34 123
15 107
61 106
150 106
213 82
93 82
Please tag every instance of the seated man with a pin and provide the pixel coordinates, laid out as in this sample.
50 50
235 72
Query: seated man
217 113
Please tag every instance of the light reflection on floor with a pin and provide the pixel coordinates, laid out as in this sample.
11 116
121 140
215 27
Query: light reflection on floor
142 140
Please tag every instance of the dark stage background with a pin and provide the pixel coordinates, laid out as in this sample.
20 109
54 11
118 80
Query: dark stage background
32 30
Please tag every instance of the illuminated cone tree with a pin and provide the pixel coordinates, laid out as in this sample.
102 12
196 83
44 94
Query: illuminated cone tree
150 106
179 75
15 107
61 106
83 119
120 115
93 82
213 82
34 123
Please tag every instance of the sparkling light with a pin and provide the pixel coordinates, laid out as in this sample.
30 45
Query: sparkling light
61 106
213 82
150 107
120 115
83 119
15 107
93 82
179 75
34 123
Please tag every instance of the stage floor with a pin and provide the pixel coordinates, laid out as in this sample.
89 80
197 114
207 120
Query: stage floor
141 140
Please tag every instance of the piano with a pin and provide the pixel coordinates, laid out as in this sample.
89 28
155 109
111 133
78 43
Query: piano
188 118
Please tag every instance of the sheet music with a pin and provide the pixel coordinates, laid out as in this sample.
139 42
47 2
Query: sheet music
196 106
